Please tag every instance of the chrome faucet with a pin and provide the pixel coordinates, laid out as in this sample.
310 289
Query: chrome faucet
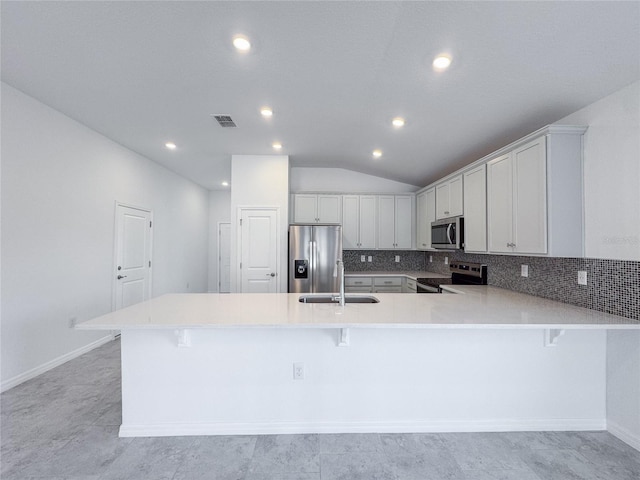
340 297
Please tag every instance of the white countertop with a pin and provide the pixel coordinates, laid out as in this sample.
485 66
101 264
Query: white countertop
413 275
473 307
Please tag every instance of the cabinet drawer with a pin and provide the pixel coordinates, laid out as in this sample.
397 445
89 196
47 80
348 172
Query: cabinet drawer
388 289
411 285
357 281
388 281
357 289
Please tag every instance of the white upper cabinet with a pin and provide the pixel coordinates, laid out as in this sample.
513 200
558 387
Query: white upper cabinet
359 221
449 198
317 208
425 214
517 186
475 209
534 198
395 221
534 195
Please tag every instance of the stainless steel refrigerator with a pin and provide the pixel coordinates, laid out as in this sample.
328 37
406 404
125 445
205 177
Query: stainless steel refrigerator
313 253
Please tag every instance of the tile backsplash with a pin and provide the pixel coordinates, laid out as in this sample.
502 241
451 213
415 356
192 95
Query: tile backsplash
383 260
613 286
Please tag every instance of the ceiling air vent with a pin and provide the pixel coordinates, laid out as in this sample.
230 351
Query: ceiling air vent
224 120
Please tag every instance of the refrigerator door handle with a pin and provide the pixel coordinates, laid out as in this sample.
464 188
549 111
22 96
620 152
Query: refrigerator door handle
312 260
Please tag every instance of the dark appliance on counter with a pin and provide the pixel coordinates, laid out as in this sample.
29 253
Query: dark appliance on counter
462 273
448 233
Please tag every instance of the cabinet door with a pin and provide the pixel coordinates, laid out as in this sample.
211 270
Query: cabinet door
475 210
368 221
442 200
305 208
530 198
431 213
386 221
455 196
403 216
421 222
350 221
500 204
329 208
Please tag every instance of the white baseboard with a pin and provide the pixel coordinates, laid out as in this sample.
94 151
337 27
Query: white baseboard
628 437
438 426
39 370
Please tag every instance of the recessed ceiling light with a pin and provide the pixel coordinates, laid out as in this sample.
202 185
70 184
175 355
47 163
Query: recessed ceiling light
170 145
266 111
242 43
225 184
276 145
398 122
441 62
377 153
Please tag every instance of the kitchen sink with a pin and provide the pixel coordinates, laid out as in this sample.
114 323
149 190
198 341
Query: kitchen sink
332 299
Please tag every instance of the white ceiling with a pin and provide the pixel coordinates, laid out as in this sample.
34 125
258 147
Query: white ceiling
335 74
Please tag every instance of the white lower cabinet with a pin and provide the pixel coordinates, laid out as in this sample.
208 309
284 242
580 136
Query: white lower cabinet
387 285
358 284
364 284
409 286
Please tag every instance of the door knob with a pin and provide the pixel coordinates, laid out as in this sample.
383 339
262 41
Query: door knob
120 277
271 274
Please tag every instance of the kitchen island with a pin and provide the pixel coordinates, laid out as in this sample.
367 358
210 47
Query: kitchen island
486 359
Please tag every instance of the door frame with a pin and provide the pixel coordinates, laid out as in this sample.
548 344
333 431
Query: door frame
239 212
114 267
220 255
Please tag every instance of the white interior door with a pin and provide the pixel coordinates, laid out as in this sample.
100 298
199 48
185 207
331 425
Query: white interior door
224 257
259 245
132 274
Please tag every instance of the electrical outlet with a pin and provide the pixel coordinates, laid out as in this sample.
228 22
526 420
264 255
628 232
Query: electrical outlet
582 278
446 260
72 322
524 270
397 258
370 259
363 258
298 371
430 258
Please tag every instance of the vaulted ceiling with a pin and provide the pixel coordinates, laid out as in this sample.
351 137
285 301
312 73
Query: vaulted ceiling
334 73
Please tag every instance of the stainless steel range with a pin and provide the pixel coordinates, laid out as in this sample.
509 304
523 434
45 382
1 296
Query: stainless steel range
462 273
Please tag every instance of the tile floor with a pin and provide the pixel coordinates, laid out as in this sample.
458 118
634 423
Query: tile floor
63 425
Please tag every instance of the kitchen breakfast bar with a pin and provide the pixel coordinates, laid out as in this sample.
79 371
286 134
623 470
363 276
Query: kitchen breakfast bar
485 359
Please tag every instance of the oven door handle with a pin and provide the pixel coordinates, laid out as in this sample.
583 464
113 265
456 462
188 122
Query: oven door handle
428 288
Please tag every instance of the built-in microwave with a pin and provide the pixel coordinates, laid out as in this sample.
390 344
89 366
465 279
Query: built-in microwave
448 233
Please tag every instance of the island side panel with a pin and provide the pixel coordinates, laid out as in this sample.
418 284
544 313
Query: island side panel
240 381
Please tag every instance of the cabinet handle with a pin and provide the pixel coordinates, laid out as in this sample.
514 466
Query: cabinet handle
446 213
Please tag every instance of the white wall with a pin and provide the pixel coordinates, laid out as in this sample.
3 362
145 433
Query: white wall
219 211
260 181
60 182
341 180
612 174
623 385
612 230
